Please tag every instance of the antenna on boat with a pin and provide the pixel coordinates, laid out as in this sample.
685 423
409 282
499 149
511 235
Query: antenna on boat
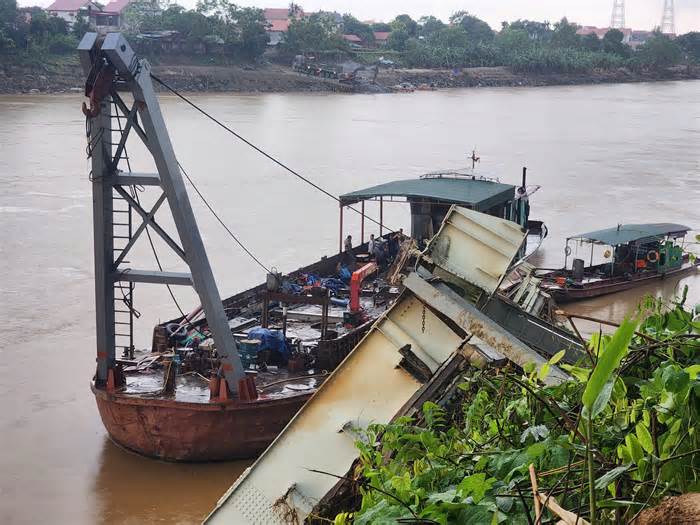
110 65
474 158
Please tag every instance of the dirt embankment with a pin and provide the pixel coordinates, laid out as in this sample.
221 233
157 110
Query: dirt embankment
678 510
66 76
504 77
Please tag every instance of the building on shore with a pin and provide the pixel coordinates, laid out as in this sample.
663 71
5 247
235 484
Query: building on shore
113 13
71 10
278 20
381 38
105 17
354 41
631 37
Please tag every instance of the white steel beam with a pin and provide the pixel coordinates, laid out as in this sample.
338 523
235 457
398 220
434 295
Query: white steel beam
152 277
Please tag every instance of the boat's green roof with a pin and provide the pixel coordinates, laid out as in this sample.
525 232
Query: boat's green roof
625 233
474 193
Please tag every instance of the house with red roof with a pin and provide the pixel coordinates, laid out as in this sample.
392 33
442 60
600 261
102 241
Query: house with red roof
278 20
381 38
112 14
353 40
69 10
107 16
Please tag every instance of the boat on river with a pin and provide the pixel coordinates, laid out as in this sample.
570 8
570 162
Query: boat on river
195 420
430 197
634 255
222 381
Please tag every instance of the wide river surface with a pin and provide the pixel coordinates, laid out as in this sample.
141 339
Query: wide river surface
602 154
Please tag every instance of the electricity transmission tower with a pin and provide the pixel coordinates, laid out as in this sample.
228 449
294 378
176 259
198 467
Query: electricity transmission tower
617 20
668 23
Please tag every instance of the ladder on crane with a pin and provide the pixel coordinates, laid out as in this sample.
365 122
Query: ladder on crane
112 67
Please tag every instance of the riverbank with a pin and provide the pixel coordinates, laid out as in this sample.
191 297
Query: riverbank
64 75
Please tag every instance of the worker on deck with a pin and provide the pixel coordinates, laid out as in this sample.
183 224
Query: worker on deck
381 254
370 247
349 255
394 241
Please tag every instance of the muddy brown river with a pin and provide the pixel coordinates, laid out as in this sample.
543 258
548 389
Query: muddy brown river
603 155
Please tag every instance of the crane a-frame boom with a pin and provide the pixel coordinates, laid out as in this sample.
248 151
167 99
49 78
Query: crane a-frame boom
110 64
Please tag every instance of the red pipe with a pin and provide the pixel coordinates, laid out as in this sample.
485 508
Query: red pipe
356 284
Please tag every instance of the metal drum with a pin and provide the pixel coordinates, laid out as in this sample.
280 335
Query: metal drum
248 350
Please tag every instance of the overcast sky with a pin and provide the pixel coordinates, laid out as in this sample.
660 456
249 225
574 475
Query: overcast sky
641 14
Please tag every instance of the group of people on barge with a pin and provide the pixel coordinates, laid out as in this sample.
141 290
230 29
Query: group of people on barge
381 250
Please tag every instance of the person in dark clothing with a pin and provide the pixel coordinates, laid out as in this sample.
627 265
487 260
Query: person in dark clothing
393 246
349 255
381 254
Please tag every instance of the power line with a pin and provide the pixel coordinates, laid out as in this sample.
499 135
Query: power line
259 150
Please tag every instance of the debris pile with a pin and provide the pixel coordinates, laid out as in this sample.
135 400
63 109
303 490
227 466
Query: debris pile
415 353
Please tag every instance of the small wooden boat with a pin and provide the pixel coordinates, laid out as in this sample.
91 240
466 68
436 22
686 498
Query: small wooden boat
634 254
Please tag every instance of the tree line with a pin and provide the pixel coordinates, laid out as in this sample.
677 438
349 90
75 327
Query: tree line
40 33
240 31
465 41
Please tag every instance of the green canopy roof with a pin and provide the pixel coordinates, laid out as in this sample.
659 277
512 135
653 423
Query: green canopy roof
625 233
478 194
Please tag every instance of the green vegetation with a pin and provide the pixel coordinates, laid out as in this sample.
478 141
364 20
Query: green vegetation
615 440
317 32
467 41
690 46
224 32
43 34
235 32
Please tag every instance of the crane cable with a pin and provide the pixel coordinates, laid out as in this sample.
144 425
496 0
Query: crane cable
259 150
216 216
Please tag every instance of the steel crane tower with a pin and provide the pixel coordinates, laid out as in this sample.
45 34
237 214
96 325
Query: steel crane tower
617 20
113 68
668 23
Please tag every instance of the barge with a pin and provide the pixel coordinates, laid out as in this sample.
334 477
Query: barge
418 351
222 381
634 254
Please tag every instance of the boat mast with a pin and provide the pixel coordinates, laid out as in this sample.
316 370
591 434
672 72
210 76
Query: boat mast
110 63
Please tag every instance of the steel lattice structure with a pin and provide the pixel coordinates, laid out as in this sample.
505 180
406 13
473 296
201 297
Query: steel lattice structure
110 63
668 22
617 20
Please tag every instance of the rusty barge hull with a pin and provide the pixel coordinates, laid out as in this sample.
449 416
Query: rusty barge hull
179 431
619 284
176 430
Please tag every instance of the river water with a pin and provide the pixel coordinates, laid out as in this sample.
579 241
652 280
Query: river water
603 155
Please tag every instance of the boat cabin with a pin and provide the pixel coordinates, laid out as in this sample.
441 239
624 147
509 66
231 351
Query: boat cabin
631 248
431 196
